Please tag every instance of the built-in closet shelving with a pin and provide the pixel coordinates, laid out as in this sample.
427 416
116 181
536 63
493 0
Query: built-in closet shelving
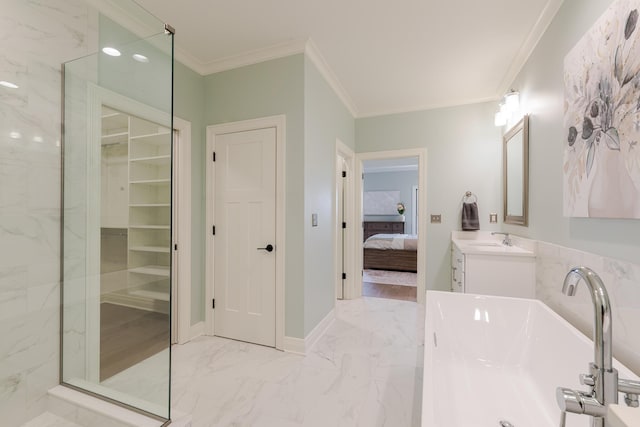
148 210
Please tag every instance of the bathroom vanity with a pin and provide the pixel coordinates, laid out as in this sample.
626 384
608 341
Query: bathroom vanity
483 264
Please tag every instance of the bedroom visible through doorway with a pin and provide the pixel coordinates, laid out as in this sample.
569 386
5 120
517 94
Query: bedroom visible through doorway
390 241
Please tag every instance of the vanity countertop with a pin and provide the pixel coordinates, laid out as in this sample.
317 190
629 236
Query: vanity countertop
477 243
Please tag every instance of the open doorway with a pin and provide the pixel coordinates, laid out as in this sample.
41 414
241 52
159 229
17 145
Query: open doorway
391 206
390 242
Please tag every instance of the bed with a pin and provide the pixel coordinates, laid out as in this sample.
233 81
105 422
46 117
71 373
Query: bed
397 252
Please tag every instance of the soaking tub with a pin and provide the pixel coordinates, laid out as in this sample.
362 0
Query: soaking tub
491 359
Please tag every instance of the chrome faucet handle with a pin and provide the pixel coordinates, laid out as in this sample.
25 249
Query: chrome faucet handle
578 402
631 390
563 418
587 379
631 400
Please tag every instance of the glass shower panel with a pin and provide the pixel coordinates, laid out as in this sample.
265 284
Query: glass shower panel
116 231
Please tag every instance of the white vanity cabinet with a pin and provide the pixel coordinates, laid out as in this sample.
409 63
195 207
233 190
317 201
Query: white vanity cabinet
492 270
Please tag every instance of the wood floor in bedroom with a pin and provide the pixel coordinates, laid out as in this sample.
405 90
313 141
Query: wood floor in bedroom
379 290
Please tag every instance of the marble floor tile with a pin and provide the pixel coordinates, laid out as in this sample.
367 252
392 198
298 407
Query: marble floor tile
366 370
48 419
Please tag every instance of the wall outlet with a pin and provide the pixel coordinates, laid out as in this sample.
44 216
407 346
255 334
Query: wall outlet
436 219
493 218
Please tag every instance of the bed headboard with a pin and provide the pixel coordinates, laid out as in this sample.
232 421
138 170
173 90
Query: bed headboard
384 227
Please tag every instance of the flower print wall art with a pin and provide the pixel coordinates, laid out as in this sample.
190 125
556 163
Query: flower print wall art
601 167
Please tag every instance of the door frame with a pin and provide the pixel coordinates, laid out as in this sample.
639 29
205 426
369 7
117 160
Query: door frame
279 123
348 252
414 209
421 154
181 294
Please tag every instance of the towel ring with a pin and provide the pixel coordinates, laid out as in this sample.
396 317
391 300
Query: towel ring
468 196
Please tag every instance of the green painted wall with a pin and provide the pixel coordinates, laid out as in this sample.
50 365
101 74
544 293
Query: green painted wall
267 89
325 119
149 83
463 153
542 88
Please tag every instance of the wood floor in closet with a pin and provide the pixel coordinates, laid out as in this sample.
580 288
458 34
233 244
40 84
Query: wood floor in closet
128 336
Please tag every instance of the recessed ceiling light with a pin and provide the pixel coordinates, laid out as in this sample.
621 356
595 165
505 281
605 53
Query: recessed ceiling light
8 84
37 139
111 51
15 135
140 58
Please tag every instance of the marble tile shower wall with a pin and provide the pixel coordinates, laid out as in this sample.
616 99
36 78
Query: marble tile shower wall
622 280
36 36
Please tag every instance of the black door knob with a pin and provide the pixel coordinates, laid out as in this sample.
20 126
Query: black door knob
268 248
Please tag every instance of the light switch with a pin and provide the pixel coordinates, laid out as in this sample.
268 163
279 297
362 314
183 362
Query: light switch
493 218
314 220
436 219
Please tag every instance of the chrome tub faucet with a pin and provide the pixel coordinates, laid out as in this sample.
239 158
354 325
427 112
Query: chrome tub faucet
602 378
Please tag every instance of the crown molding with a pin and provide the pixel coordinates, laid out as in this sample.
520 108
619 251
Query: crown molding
281 50
251 57
313 53
190 61
544 20
417 108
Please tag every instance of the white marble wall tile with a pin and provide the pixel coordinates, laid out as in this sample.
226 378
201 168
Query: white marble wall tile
37 37
13 398
622 280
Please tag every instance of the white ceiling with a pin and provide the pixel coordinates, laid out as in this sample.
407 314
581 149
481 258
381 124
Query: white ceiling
380 56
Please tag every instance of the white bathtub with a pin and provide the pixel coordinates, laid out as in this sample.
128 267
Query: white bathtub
489 359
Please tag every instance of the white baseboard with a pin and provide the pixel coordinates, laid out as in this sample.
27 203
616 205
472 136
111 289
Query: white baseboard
196 330
302 346
317 332
293 345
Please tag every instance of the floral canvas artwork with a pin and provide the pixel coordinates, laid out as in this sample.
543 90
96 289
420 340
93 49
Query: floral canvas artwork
601 167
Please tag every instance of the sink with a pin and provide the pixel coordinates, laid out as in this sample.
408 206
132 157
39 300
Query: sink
489 244
491 247
485 245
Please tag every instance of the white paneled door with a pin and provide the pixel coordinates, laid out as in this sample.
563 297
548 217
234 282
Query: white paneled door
244 242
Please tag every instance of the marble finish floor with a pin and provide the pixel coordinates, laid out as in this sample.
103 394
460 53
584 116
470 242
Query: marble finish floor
366 370
48 419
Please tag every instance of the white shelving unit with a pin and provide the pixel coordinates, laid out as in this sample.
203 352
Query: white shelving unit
146 284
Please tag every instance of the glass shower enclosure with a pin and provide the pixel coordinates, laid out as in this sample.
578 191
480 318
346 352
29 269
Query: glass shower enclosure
117 215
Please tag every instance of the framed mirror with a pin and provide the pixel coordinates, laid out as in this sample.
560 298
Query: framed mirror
515 159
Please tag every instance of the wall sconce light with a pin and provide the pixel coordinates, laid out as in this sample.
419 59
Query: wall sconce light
509 105
500 119
512 101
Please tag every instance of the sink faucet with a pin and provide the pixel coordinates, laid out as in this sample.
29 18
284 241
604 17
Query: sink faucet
602 378
507 238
